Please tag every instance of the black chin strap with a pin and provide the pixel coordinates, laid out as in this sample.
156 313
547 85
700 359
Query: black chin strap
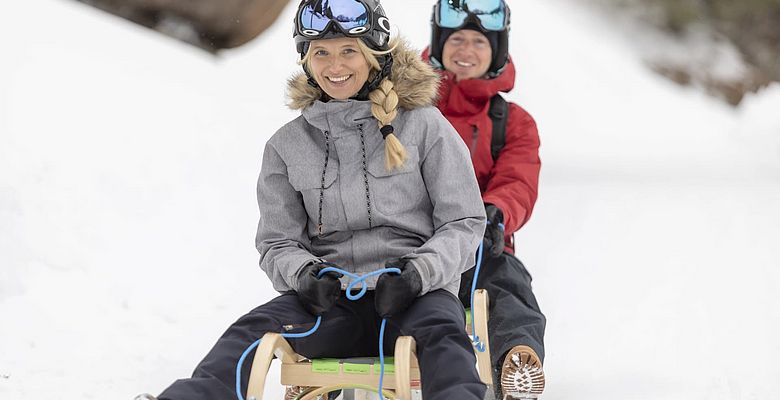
385 70
310 79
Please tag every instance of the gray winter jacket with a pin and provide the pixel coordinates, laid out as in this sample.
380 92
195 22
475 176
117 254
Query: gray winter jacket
429 211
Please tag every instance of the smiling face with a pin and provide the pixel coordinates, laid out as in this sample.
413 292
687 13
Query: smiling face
338 66
467 54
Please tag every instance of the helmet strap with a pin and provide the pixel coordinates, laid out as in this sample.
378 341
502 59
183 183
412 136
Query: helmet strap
435 63
310 80
496 73
385 70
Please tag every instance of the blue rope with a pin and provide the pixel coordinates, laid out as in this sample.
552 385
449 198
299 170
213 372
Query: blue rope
480 346
257 343
355 280
358 279
381 357
238 367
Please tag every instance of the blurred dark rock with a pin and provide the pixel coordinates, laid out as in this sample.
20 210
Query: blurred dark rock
209 24
730 90
751 26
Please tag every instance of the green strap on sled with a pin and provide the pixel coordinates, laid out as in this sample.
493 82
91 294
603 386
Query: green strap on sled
360 366
325 365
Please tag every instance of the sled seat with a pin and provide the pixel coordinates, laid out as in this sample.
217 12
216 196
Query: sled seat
402 372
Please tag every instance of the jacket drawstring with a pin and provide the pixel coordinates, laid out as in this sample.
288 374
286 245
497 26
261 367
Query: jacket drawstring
325 169
322 182
365 173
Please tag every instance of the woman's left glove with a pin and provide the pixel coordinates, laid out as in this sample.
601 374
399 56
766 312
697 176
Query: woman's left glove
494 231
396 292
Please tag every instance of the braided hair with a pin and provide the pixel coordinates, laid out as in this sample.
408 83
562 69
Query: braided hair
384 107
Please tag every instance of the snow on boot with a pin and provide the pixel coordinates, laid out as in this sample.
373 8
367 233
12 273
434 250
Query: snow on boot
522 376
145 396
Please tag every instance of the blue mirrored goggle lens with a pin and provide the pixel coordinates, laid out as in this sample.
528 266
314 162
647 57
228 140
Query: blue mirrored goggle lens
491 13
449 16
349 14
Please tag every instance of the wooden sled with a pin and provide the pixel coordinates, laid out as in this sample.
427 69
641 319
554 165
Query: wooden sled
402 373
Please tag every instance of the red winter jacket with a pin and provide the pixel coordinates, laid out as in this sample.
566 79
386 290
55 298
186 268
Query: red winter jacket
511 182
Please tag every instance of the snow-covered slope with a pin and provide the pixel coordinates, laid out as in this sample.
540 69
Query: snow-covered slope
127 210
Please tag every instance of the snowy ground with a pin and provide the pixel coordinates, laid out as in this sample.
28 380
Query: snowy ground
127 211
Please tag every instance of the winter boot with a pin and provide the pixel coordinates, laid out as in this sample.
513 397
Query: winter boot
522 376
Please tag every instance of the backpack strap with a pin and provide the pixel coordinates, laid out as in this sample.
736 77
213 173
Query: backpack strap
498 112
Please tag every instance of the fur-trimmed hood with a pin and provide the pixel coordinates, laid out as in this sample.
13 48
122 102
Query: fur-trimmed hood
415 81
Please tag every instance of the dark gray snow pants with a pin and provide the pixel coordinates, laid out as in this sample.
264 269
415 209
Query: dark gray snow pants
515 317
349 329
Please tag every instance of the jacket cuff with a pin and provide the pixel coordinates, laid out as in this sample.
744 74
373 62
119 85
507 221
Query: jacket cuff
424 270
301 261
511 222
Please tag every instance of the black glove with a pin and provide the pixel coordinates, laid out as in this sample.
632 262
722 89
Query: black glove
394 292
318 294
494 231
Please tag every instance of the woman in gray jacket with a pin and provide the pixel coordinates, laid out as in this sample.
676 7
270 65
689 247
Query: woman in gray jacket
371 175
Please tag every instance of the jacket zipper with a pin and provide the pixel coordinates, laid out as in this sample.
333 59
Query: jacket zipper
474 135
305 326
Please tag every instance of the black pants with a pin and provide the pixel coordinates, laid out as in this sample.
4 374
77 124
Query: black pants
349 329
515 317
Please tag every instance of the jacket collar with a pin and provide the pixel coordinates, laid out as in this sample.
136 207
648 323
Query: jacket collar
470 96
337 116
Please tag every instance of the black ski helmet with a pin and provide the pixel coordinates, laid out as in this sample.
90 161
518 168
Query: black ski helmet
498 38
327 19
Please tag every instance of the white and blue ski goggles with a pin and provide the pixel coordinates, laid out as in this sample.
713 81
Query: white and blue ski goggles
491 15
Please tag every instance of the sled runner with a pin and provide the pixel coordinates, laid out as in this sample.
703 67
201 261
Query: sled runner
402 373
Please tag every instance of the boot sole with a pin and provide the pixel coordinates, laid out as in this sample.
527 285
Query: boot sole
522 377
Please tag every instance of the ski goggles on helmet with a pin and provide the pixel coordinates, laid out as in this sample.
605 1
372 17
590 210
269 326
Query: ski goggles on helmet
353 18
492 15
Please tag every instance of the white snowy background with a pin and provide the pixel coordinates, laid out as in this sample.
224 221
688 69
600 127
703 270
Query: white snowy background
127 206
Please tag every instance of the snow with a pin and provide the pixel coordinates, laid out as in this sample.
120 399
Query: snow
127 207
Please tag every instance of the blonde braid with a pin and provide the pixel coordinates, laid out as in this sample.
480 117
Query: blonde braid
384 106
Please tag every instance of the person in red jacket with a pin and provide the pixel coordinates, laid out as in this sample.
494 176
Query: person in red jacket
468 47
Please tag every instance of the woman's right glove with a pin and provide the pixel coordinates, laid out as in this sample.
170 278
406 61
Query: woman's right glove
318 294
396 292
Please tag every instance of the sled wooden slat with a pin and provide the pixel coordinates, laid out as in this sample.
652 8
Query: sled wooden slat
484 368
272 344
405 362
